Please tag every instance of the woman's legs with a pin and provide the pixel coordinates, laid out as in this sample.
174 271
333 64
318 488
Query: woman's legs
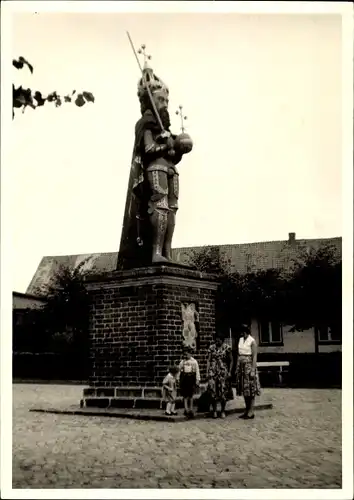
251 406
247 404
218 395
255 391
215 408
223 406
224 390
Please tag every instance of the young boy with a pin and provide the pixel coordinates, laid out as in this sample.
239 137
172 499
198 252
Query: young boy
189 377
169 390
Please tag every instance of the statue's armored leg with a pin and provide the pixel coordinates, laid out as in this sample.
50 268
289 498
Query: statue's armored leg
171 222
158 208
173 188
159 226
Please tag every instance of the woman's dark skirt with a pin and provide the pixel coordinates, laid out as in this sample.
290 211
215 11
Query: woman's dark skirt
187 384
245 384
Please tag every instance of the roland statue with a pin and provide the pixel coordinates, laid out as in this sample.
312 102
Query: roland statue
152 198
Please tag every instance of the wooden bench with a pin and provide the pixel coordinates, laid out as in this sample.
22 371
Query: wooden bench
271 364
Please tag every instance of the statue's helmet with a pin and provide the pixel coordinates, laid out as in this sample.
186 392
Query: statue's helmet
158 89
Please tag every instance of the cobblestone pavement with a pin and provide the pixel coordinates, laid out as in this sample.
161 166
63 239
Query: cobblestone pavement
295 445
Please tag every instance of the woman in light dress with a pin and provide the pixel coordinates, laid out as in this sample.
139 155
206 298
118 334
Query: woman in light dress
247 379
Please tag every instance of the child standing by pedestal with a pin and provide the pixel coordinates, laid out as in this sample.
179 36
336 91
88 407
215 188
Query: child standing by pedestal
169 390
189 377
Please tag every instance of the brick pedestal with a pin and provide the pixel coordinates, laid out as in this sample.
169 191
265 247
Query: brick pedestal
136 325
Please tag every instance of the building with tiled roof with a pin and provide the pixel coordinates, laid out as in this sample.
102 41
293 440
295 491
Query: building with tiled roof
241 257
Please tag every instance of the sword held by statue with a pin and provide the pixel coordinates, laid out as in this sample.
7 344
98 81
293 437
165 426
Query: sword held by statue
165 133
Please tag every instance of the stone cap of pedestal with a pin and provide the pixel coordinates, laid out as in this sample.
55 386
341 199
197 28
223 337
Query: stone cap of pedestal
155 274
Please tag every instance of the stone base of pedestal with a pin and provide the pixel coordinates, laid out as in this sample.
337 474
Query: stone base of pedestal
150 398
130 397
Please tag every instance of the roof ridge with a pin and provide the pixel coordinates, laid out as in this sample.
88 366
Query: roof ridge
78 255
200 246
257 243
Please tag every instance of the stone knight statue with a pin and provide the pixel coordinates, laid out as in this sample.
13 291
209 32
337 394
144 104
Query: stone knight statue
152 198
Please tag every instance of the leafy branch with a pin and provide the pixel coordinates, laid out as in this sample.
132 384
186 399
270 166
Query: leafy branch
23 98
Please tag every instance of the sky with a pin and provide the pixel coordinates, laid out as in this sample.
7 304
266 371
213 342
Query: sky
263 98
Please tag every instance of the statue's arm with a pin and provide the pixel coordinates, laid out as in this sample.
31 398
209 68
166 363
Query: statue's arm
152 149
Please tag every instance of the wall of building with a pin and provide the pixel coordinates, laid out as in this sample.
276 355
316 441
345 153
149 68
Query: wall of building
327 348
294 342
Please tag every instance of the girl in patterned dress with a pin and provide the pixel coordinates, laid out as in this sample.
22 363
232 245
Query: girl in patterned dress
219 368
247 380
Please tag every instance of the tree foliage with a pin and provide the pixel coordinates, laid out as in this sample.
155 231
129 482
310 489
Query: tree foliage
23 98
29 331
306 295
208 259
315 290
65 315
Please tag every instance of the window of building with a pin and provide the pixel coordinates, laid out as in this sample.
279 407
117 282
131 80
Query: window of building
329 334
270 332
19 317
